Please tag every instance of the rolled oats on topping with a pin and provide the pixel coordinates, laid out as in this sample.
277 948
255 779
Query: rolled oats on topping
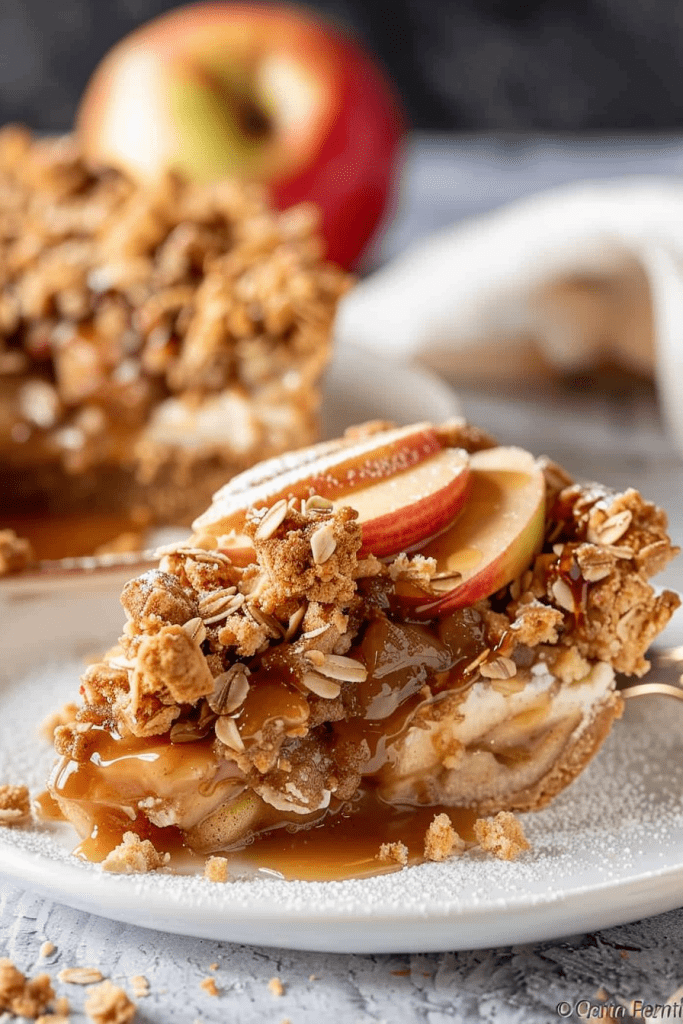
228 733
320 685
230 689
150 305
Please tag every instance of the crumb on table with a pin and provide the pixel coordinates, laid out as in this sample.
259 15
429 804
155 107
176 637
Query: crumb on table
109 1004
80 975
209 986
276 988
20 995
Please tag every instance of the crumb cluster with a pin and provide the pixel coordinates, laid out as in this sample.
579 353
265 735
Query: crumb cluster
134 856
22 996
108 1004
216 869
502 836
105 1002
15 805
132 315
441 839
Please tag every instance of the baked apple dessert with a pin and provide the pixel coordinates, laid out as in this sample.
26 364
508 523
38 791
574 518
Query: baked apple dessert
414 614
154 340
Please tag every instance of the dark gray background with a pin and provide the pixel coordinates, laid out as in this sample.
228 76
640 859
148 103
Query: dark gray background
501 65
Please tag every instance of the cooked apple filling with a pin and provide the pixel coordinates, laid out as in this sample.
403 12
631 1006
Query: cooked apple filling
274 670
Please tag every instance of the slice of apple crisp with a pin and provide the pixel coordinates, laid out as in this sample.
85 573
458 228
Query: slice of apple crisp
274 669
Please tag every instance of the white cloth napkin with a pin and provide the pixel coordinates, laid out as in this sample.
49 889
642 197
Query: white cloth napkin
575 277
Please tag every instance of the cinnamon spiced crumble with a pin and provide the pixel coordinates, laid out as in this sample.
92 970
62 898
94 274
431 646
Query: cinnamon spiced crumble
153 339
441 839
274 690
134 856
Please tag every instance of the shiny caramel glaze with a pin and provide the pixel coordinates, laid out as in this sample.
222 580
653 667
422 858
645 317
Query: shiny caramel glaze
346 844
408 663
72 534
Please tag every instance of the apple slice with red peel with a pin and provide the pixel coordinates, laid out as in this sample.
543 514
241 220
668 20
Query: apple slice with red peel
334 474
497 534
404 484
398 513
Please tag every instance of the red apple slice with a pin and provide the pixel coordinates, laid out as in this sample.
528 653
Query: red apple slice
332 475
269 469
404 484
498 532
399 512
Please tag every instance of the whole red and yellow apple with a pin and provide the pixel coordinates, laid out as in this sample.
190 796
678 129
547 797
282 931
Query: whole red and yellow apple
265 93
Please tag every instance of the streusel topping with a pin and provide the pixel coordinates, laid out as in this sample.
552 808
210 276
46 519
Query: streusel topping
115 297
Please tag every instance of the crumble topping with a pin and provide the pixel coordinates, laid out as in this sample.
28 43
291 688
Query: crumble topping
503 836
135 316
109 1004
15 553
15 805
311 554
134 856
441 839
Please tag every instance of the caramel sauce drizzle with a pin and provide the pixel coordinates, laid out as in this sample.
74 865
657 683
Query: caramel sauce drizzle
407 663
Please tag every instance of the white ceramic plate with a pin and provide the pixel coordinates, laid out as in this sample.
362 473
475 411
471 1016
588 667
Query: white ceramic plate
607 851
